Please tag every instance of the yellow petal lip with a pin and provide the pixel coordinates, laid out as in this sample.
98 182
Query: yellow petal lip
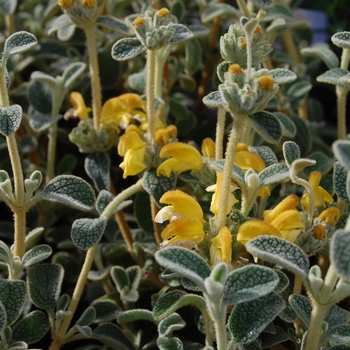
330 216
255 228
221 250
130 140
133 162
208 148
287 203
249 160
288 220
182 203
80 109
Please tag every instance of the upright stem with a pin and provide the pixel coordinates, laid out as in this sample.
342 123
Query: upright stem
162 55
219 315
235 135
51 153
94 74
220 132
150 90
243 7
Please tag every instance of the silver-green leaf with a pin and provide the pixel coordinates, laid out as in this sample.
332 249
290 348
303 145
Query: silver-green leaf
302 306
36 254
324 53
267 126
213 99
10 119
273 173
341 39
341 149
340 174
97 167
332 76
340 253
291 152
113 23
282 76
18 43
127 48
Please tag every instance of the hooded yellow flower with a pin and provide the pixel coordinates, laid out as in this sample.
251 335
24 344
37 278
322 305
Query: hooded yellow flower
330 216
79 107
132 148
163 135
214 206
208 148
185 216
321 196
221 247
118 112
181 157
283 221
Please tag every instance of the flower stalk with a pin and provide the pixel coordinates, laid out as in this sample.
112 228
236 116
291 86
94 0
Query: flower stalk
150 90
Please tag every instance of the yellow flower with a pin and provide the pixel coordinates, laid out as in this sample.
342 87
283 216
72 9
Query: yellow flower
266 82
164 12
65 3
330 216
214 206
321 196
185 216
132 148
182 157
118 112
283 221
208 148
163 135
138 21
78 103
88 4
319 232
221 247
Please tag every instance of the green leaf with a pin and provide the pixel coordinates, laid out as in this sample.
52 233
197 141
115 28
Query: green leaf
341 39
66 33
170 324
339 347
71 73
142 211
178 10
36 254
27 144
269 339
323 163
127 48
7 7
220 10
86 232
283 282
266 154
156 186
44 284
12 297
279 251
40 96
97 167
277 10
181 33
341 149
248 283
174 343
32 328
291 152
340 253
174 300
193 50
339 333
135 315
288 127
340 174
58 23
40 122
18 43
113 23
324 53
302 306
282 76
299 89
10 119
213 99
249 319
104 198
87 317
262 3
106 310
198 30
273 173
267 126
70 190
303 137
185 263
332 77
2 317
111 335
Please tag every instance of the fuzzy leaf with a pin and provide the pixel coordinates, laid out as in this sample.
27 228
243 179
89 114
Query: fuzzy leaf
267 126
156 186
340 333
44 284
127 48
337 316
40 96
170 324
341 149
58 23
112 336
193 56
340 253
198 30
299 89
332 77
7 7
283 282
97 167
273 173
181 33
323 163
18 43
262 3
10 119
135 315
220 10
249 319
40 122
113 23
174 300
213 99
12 297
106 310
36 254
143 212
70 190
340 174
302 306
324 53
2 317
87 317
303 137
185 263
340 347
281 252
282 76
341 39
278 10
247 283
72 72
288 127
86 232
266 154
31 328
291 152
173 343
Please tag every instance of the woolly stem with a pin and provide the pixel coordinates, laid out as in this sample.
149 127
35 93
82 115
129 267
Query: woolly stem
150 91
220 132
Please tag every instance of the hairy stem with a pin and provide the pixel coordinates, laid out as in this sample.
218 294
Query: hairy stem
243 7
125 230
94 74
220 132
150 91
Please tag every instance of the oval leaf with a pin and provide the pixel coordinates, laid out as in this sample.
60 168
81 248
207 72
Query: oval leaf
10 119
97 167
70 190
113 23
267 126
340 253
127 48
341 39
282 76
86 232
302 306
341 149
36 254
18 42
